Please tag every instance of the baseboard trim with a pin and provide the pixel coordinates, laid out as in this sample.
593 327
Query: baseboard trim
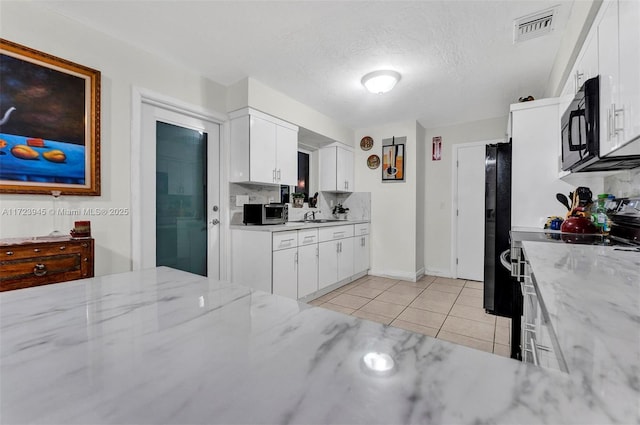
439 273
400 275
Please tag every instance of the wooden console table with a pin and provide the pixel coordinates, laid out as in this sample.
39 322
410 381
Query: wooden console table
27 262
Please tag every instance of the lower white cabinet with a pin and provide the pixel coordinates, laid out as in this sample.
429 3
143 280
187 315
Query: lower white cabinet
285 273
298 263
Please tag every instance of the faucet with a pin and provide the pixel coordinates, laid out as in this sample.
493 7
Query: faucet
306 215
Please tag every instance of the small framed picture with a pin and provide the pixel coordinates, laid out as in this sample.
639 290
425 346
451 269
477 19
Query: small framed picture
393 162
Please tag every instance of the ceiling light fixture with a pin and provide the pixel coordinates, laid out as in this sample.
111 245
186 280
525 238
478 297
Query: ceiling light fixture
380 81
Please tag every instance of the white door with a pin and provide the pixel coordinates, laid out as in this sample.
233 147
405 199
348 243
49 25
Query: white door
361 254
327 263
180 192
287 156
345 258
262 150
470 214
307 270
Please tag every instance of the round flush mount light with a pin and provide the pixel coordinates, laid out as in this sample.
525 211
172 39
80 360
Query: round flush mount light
380 81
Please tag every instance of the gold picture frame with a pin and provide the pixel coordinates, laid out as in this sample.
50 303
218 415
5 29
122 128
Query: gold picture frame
49 124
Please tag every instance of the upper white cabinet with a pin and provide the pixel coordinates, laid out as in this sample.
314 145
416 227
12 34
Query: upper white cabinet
336 169
619 67
586 66
263 149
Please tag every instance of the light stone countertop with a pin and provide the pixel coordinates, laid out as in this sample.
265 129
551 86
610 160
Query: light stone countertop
592 296
165 346
294 225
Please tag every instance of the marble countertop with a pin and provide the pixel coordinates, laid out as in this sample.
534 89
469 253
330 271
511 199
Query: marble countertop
592 297
294 225
165 346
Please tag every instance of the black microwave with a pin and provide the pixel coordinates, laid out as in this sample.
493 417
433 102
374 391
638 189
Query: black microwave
263 214
580 129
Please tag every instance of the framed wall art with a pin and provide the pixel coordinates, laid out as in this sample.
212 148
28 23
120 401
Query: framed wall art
49 124
393 160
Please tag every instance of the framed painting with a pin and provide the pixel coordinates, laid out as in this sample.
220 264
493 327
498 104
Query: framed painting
49 124
393 160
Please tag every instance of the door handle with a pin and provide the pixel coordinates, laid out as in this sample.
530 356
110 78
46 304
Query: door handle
215 221
279 174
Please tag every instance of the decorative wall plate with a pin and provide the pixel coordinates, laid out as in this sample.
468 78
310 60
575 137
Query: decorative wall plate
366 143
373 161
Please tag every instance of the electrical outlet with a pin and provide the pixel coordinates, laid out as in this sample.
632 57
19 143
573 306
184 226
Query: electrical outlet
241 200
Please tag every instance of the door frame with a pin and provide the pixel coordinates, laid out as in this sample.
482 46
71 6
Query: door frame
454 198
138 97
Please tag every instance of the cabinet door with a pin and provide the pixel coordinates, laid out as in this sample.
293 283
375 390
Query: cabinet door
262 154
327 263
307 270
345 258
287 156
344 170
629 39
285 273
587 66
328 163
360 254
608 65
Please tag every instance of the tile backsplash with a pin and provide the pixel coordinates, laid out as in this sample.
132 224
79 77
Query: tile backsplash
258 194
624 184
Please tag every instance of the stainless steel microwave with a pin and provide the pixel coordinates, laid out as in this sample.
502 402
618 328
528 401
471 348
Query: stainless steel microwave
263 214
580 129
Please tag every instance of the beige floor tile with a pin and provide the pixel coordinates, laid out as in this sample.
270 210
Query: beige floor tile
472 313
466 341
469 301
316 302
396 298
503 321
327 297
474 284
348 286
503 335
433 304
405 289
413 327
427 278
470 328
338 308
349 301
383 309
502 350
378 284
373 317
370 293
419 284
471 292
449 281
442 287
422 317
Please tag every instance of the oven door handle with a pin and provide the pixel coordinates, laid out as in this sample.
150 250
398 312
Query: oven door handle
505 259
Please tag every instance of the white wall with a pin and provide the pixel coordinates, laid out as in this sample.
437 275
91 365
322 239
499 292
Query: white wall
122 67
252 93
438 187
421 149
393 204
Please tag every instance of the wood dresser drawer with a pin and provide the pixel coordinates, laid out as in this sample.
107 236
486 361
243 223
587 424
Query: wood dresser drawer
25 263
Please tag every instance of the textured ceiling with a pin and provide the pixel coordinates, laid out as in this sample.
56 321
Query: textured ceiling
457 58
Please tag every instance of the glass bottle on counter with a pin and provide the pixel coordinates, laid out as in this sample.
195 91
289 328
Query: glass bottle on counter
602 221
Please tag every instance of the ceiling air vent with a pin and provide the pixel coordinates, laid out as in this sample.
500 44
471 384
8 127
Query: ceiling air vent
533 26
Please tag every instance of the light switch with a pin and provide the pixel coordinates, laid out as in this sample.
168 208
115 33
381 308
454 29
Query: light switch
241 200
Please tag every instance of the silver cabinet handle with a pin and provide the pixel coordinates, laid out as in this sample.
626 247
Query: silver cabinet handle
278 174
617 112
40 270
295 260
9 252
338 247
534 351
274 175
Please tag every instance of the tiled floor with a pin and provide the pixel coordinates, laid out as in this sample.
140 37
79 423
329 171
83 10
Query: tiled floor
448 309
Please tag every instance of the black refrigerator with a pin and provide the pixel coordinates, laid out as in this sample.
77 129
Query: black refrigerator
501 291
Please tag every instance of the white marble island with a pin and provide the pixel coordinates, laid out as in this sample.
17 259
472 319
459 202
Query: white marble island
164 346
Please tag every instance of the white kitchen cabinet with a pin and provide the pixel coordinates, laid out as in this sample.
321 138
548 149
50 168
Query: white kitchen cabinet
285 273
336 169
307 269
361 260
345 258
335 261
586 65
263 149
619 66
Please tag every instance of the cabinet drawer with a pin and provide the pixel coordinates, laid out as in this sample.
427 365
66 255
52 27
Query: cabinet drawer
37 250
307 237
361 229
284 240
40 270
335 232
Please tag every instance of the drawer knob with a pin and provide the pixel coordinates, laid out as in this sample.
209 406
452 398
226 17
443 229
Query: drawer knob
9 253
86 260
40 270
36 250
62 248
85 245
